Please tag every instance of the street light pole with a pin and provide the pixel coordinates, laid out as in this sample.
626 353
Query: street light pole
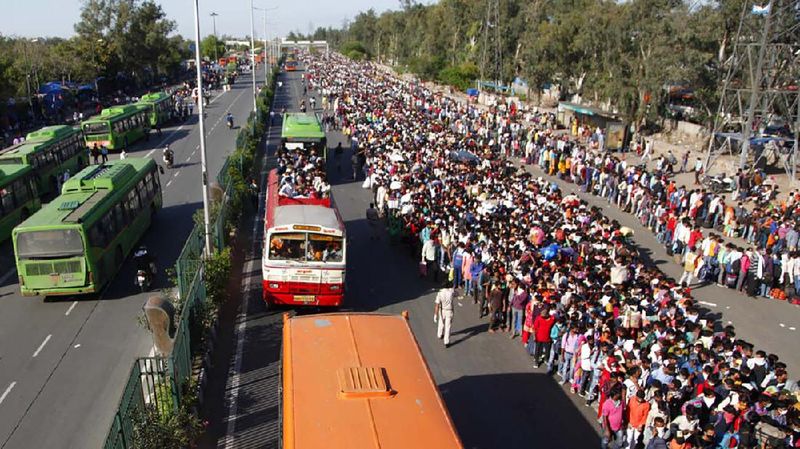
214 20
253 61
200 120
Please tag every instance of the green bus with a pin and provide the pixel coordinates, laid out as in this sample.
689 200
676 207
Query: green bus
18 196
117 127
50 151
76 243
303 131
161 107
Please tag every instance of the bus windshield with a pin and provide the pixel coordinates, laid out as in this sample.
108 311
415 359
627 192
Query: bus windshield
96 128
47 244
12 161
305 247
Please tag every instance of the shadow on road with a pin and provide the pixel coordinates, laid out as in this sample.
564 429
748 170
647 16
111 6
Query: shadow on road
516 411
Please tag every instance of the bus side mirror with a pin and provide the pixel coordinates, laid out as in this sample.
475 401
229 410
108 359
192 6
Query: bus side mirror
160 315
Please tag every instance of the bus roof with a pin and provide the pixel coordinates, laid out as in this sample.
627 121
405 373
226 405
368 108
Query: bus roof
116 113
304 214
301 126
359 380
9 173
86 189
51 132
154 97
14 154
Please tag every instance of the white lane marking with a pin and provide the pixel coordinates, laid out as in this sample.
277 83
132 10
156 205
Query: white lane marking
7 275
8 390
75 303
77 346
177 173
150 152
792 328
781 325
169 182
189 158
193 152
706 303
41 346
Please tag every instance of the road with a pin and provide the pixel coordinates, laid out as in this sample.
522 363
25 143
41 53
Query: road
63 363
495 397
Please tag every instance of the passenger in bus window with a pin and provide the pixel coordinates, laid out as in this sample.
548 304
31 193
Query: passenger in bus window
333 252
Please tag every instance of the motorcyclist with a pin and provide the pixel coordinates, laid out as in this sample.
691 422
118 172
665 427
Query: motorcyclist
229 119
168 156
145 262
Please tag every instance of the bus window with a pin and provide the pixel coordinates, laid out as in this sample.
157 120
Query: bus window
96 128
54 243
108 224
133 203
324 248
287 246
97 237
20 191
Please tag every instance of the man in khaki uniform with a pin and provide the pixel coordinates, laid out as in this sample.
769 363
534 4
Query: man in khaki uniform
443 313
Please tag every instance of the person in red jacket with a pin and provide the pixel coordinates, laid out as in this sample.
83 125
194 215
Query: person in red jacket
541 334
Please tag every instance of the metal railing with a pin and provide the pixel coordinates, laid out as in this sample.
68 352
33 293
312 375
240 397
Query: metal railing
149 384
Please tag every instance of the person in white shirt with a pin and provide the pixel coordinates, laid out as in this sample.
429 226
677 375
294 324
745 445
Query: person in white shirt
443 314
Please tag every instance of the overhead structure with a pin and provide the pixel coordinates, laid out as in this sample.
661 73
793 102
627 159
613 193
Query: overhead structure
759 109
492 45
306 45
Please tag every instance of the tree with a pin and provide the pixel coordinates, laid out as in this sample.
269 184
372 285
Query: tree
211 47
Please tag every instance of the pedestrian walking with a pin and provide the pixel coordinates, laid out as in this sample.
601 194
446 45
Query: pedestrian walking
104 153
443 313
374 220
123 154
95 153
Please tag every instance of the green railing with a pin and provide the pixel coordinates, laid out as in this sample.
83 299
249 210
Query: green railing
149 383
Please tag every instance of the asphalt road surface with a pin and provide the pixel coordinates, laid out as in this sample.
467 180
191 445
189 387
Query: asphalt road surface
63 363
495 397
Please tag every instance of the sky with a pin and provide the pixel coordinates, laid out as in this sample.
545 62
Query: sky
26 18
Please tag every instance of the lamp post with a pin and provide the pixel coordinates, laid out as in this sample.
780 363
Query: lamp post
214 20
253 61
266 56
200 120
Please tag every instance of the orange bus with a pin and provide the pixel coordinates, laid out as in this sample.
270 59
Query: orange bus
358 380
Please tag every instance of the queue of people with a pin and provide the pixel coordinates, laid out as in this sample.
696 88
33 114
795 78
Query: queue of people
555 273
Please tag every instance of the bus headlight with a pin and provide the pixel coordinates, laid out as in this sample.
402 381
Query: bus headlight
273 285
335 288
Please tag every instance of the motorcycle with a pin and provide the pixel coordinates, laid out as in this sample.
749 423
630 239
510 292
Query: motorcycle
720 183
168 158
143 280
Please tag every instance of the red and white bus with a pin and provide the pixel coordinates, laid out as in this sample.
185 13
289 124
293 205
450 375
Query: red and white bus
303 258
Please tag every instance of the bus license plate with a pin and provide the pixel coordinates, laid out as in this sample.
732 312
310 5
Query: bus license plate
304 298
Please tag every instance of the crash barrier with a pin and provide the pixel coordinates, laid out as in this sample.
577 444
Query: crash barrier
163 382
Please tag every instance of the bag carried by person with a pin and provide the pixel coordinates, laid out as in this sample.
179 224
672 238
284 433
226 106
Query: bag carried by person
423 269
731 279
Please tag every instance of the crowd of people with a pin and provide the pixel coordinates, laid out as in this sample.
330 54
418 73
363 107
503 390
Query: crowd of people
548 268
302 174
